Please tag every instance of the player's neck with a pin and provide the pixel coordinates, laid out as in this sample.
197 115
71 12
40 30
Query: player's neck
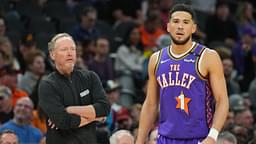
181 49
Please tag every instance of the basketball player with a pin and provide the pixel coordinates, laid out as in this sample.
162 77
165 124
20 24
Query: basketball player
187 80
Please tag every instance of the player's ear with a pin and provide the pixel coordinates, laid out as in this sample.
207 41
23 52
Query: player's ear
168 27
194 28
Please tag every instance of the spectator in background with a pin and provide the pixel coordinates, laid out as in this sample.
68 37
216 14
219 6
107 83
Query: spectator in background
8 137
232 86
129 65
236 102
121 137
164 6
21 123
8 77
244 118
4 59
241 134
244 57
101 63
6 107
27 44
124 120
226 138
252 93
247 101
125 10
221 22
88 50
7 49
2 27
79 54
153 137
135 110
35 69
245 16
112 89
150 31
86 30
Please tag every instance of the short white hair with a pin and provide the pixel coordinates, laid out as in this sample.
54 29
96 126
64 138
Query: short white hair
52 43
226 136
117 134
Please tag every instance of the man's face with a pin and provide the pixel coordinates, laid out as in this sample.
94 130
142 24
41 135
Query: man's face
9 138
9 80
227 66
181 27
4 103
245 119
38 65
102 46
23 109
89 20
64 53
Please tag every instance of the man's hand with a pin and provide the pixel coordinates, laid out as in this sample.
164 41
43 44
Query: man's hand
70 109
73 109
208 140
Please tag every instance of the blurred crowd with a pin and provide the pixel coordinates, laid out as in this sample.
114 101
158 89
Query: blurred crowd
115 39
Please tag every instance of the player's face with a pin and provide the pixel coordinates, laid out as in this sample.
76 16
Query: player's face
181 27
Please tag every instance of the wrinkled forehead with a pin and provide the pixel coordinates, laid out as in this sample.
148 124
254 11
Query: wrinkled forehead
64 41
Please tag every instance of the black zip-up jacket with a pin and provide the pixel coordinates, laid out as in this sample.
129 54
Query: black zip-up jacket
57 91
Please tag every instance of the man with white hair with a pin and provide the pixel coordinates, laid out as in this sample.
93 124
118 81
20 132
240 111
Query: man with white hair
226 138
70 97
122 137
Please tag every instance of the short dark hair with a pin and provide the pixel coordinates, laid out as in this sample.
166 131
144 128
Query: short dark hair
185 8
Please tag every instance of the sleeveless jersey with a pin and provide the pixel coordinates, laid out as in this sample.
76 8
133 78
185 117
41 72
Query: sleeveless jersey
186 101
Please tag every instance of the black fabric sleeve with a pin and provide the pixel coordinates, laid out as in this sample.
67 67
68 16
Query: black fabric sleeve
50 102
100 102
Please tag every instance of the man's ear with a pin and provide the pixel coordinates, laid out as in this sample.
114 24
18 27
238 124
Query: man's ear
194 28
168 27
52 56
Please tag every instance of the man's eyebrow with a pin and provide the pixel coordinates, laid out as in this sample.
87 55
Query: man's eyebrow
187 20
181 19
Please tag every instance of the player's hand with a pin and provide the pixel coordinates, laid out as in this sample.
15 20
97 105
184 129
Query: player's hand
208 140
51 124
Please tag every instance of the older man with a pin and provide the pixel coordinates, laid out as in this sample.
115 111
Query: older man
122 137
21 123
71 98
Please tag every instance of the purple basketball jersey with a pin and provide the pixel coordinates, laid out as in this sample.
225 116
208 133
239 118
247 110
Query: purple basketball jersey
186 101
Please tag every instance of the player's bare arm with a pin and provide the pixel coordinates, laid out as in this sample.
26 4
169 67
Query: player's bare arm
212 66
150 106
